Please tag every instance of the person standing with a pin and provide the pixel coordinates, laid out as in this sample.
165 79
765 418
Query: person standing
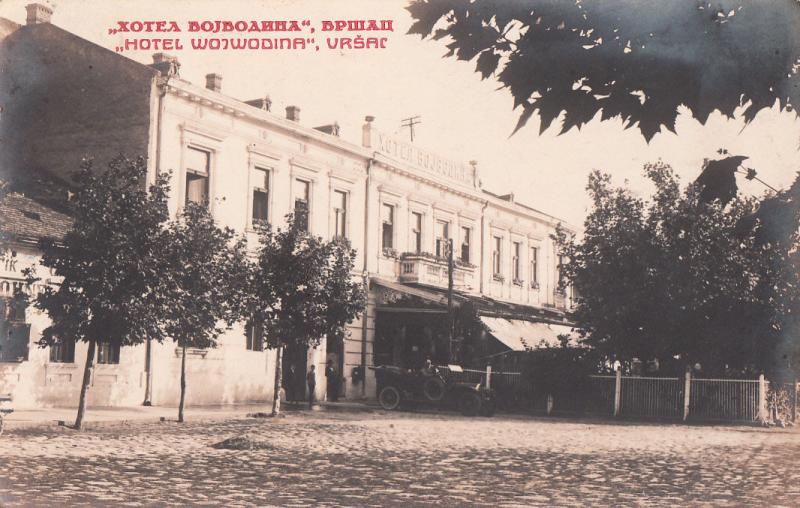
333 381
289 382
311 379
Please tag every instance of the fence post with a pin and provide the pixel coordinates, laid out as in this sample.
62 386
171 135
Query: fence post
762 399
687 392
794 400
549 404
488 376
618 391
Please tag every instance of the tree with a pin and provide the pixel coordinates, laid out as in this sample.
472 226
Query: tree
629 59
204 275
679 277
107 263
302 290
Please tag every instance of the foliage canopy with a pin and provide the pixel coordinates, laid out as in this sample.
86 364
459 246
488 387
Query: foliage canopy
678 277
635 60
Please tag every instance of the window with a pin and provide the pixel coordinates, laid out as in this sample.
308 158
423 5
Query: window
466 233
442 235
387 231
562 260
198 164
14 331
340 214
260 196
416 232
515 262
302 195
107 353
497 252
63 352
534 275
254 335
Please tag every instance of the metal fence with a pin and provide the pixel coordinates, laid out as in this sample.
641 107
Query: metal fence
600 396
724 399
656 397
687 398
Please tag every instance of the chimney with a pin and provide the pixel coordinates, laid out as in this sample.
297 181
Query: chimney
366 131
38 13
214 82
293 113
167 65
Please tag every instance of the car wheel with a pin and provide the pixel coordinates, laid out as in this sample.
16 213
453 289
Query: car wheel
433 389
469 403
389 398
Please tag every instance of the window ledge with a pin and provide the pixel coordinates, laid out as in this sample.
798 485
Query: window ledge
62 365
498 278
191 352
518 282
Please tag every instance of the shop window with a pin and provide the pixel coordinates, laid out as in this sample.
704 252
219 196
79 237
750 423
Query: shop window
107 353
260 212
442 236
254 335
302 197
416 232
340 214
387 226
198 166
63 352
466 234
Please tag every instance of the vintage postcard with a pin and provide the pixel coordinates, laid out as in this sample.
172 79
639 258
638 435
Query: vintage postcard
399 252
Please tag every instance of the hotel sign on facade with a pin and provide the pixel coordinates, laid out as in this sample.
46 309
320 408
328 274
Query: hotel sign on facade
418 158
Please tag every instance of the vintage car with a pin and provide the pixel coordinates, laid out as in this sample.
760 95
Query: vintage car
404 387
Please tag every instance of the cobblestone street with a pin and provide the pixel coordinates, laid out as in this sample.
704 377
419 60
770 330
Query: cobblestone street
400 459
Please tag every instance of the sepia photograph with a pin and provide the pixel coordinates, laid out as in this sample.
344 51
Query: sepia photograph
399 253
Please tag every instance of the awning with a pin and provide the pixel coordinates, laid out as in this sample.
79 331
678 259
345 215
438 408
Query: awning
411 291
519 335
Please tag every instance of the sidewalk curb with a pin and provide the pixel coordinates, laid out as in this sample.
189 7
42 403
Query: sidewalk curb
234 412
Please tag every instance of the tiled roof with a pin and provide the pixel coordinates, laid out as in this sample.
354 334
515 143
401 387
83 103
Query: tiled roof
25 219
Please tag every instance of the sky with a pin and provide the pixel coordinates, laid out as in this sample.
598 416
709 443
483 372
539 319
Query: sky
463 118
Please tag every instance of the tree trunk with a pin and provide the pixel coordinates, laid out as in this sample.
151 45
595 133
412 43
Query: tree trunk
87 379
276 398
148 387
183 384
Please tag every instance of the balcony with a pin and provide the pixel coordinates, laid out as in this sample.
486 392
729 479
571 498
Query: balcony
426 268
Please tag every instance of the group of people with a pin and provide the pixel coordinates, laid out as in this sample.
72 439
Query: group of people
290 383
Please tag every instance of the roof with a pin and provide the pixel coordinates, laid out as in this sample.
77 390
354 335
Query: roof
27 220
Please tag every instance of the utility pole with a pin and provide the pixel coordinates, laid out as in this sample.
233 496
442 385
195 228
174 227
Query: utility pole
450 316
410 123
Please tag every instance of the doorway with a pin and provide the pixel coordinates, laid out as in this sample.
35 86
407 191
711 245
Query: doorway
295 365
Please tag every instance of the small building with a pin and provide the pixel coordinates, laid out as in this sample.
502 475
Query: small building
398 204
